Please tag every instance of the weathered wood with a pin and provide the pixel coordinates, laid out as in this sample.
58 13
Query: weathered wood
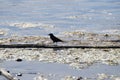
51 46
7 75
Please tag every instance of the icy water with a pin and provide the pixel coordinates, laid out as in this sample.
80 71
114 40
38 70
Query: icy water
54 71
40 17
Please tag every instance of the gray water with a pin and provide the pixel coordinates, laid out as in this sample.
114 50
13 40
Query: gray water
30 71
64 15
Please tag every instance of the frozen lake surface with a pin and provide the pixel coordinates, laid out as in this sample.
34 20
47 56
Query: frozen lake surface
40 17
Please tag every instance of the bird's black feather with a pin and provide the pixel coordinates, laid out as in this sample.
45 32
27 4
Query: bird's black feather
54 38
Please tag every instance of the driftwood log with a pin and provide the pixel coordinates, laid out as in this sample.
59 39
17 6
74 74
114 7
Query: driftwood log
52 46
7 75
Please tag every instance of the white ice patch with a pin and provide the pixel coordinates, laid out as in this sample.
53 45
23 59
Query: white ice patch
29 25
3 31
112 31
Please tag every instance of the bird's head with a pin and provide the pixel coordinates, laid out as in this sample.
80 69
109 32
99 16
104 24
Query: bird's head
50 34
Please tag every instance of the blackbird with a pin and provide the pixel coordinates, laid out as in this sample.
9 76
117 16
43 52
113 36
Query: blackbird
54 38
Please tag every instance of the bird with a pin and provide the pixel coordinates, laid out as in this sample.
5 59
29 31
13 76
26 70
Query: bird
54 38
